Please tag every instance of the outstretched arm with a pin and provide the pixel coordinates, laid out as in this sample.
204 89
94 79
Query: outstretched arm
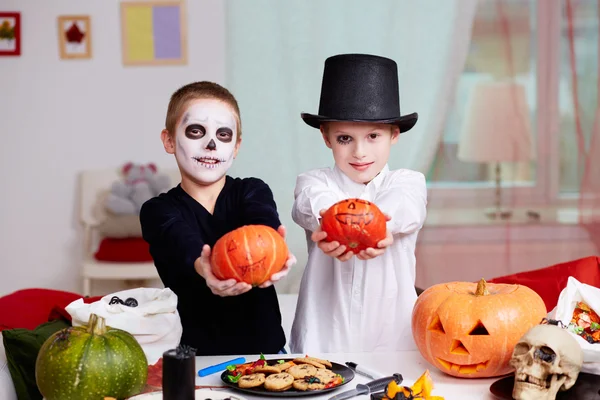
405 201
165 230
311 195
258 204
260 209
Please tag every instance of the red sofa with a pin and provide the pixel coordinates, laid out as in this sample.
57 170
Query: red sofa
548 282
28 308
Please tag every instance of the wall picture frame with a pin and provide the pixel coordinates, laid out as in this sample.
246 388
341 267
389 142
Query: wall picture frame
154 32
75 36
10 33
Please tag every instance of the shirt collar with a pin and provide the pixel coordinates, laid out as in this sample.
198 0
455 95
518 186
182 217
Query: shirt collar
356 189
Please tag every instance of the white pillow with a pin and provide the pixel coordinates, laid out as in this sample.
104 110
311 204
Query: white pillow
7 388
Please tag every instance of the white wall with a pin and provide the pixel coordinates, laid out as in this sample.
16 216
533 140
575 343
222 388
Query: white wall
58 117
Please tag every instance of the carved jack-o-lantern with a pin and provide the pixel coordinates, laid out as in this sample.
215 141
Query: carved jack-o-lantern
355 223
249 254
469 330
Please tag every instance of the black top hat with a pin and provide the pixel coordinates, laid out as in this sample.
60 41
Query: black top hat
360 88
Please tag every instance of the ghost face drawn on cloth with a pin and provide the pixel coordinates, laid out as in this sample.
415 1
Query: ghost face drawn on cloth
206 140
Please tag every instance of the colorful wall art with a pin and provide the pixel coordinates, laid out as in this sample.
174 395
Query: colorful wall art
153 32
10 34
74 36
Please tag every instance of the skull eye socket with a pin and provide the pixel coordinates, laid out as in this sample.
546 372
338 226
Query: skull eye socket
521 348
545 354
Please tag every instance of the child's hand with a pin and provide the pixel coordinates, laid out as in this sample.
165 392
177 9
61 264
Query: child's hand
286 268
332 249
221 288
371 252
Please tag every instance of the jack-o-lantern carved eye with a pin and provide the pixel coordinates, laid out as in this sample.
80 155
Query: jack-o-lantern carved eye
260 242
479 329
436 325
231 246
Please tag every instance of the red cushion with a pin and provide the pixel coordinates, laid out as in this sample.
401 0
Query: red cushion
29 308
59 312
123 250
550 281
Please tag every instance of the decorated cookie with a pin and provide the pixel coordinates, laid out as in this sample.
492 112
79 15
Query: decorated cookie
325 375
306 360
251 381
279 382
309 383
302 371
284 366
320 361
266 369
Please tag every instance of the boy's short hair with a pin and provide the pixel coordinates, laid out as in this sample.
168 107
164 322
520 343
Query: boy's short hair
195 91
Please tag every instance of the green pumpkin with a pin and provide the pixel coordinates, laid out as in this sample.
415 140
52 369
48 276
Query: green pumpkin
91 362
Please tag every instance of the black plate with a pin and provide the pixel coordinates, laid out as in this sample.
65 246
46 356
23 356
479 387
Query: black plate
343 370
587 387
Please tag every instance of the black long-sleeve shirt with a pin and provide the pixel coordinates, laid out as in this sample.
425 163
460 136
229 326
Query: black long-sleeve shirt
176 227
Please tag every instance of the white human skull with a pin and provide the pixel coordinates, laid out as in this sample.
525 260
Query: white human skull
547 359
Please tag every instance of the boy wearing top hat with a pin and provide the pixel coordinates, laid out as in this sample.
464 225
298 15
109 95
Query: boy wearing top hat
358 302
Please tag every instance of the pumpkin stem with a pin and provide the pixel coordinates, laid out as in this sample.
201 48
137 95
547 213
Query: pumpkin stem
481 288
96 325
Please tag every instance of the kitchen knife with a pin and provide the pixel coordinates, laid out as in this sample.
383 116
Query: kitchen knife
368 388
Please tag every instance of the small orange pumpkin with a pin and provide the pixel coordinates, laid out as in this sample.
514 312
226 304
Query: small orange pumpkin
355 223
249 254
469 330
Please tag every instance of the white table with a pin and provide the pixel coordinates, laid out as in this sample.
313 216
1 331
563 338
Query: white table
410 364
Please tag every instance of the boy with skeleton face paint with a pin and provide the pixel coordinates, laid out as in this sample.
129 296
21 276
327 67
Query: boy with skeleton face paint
203 131
206 141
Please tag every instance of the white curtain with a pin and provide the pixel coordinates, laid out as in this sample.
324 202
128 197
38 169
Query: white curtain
275 55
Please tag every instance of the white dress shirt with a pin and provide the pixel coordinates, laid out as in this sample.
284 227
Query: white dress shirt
357 305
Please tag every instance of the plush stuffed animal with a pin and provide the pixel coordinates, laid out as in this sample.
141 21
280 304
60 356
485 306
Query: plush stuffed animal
140 183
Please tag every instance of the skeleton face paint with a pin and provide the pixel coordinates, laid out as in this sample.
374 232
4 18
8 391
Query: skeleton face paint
206 138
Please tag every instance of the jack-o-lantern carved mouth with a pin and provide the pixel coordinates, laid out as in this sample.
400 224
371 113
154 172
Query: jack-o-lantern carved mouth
245 269
463 368
459 348
354 219
361 219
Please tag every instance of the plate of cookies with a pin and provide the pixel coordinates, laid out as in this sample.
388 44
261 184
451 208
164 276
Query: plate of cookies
287 377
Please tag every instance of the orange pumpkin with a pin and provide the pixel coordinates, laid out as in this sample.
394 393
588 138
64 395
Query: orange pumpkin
357 224
249 254
469 330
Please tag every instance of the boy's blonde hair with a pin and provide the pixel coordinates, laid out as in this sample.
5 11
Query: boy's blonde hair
195 91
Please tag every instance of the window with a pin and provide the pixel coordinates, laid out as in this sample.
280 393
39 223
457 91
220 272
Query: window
524 43
584 26
500 54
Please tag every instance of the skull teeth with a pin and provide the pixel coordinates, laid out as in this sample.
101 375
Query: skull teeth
525 378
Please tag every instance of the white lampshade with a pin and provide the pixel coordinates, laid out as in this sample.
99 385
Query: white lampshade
497 124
